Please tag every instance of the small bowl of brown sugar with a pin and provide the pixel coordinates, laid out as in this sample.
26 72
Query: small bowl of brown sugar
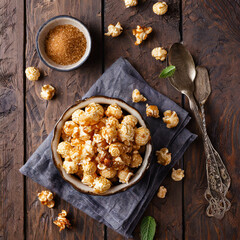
63 43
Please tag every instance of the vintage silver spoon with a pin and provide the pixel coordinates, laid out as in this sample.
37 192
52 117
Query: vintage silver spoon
218 203
182 80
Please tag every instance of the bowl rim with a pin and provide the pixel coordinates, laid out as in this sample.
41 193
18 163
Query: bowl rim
89 192
40 55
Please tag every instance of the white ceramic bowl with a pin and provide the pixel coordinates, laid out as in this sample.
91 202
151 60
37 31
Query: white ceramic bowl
76 182
42 34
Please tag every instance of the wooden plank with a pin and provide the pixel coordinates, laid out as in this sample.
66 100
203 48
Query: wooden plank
165 32
211 33
42 115
11 119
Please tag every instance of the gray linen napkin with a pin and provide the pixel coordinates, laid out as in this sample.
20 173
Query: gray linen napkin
121 211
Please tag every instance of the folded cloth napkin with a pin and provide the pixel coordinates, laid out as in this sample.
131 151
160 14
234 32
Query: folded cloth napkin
121 211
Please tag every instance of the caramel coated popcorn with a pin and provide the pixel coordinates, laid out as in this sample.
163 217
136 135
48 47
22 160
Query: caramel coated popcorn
47 92
141 34
163 156
159 53
162 192
32 73
100 145
152 111
160 8
170 118
114 31
46 198
62 222
130 3
177 175
137 96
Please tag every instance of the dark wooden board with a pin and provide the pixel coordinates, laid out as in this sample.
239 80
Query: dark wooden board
42 115
167 212
11 119
211 32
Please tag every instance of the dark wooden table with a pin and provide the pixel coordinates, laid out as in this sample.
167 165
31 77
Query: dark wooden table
210 30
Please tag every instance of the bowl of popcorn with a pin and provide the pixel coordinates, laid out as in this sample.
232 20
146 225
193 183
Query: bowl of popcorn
101 146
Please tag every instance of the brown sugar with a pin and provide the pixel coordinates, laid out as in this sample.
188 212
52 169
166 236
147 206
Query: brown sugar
65 44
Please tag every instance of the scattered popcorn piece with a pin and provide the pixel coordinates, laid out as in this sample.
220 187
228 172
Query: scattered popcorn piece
142 136
136 160
160 8
130 3
170 118
46 198
108 173
114 31
137 96
70 167
159 53
124 175
163 156
141 33
88 179
114 110
152 111
162 192
101 184
130 120
32 73
47 92
125 132
177 175
62 222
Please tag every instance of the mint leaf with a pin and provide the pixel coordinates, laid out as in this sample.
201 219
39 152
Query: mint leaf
167 72
148 228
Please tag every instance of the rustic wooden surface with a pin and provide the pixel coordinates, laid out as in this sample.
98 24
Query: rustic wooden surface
210 30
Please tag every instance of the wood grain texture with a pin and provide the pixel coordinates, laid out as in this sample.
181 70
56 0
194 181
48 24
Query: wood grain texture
168 212
11 119
211 32
42 115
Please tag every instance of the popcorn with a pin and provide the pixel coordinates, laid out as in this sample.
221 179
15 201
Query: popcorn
159 53
32 73
83 134
114 31
88 149
46 198
136 160
88 179
124 175
142 136
141 33
47 92
76 154
101 184
62 222
89 168
116 149
78 116
118 163
137 96
112 122
64 149
114 110
162 192
160 8
70 167
109 134
130 120
108 173
95 109
152 111
125 132
163 156
130 3
65 137
170 118
177 175
68 127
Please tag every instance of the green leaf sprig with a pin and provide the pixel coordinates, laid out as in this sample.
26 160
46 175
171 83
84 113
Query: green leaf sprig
148 228
167 72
